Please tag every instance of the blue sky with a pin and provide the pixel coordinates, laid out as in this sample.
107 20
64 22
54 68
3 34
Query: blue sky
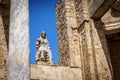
43 18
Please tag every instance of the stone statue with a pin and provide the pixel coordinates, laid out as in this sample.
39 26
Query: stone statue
43 54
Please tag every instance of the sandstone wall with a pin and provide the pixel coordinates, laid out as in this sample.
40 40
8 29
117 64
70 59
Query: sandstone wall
4 36
67 34
101 54
62 35
39 72
85 38
3 51
114 40
111 27
81 11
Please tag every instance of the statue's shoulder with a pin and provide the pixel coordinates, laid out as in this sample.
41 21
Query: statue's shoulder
38 39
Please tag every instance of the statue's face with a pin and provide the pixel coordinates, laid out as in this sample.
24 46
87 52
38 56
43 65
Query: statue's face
43 35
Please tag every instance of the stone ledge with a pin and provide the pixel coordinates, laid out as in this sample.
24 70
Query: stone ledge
41 72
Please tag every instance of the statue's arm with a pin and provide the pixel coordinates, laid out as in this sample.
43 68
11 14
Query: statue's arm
38 43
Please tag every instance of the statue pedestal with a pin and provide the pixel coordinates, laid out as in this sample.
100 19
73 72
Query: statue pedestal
52 64
47 63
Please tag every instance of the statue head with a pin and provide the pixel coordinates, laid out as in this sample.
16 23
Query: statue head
43 34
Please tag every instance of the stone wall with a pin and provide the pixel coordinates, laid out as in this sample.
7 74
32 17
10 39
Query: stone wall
98 8
86 37
111 27
67 34
103 65
4 35
114 40
87 55
62 35
6 18
3 51
81 11
39 72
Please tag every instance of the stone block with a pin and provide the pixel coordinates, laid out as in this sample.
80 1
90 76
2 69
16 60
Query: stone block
40 72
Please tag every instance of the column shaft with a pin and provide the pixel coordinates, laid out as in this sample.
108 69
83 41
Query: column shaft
18 57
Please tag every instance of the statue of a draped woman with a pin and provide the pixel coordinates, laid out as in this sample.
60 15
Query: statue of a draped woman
43 50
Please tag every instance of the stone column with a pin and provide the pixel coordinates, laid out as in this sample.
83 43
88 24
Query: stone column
18 57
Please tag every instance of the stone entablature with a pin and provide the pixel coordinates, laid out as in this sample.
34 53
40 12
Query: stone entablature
111 21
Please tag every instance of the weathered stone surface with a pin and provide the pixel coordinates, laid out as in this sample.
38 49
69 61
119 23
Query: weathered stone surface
86 51
99 7
5 1
39 72
62 30
82 14
82 43
111 21
6 19
88 38
114 40
18 57
4 26
3 50
103 66
67 34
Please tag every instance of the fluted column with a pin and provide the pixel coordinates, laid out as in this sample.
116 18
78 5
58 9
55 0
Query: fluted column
18 56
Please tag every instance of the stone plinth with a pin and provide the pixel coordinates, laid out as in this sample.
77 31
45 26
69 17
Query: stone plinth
40 72
47 63
18 57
